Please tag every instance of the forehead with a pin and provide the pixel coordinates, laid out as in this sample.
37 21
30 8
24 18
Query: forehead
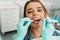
33 5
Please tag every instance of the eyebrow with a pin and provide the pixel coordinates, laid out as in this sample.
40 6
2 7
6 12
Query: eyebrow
39 7
31 8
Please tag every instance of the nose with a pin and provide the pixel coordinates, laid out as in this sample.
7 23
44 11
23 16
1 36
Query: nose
35 13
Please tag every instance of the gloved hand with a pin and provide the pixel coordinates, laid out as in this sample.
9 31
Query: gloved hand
47 29
0 37
22 29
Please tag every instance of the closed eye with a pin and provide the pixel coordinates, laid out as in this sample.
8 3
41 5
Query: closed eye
39 10
29 11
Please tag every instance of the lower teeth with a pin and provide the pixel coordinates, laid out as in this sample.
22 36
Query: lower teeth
36 21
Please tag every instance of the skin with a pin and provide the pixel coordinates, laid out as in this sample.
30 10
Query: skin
35 10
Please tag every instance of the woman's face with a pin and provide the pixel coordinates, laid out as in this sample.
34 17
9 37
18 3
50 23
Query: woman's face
34 11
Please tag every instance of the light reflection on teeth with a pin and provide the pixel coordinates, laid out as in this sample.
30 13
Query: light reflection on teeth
37 20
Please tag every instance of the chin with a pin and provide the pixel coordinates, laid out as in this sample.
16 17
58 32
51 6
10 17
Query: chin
36 25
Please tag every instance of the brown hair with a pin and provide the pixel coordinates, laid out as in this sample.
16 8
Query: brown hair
25 11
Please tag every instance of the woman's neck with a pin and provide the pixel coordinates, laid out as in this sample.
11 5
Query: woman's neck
36 32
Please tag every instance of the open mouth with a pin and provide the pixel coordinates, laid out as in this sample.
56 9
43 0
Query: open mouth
37 20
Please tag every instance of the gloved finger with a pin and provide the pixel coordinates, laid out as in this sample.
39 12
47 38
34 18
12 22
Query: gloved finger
50 25
23 21
28 24
48 21
44 23
20 24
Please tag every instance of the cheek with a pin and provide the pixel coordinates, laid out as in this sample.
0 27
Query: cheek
29 15
42 15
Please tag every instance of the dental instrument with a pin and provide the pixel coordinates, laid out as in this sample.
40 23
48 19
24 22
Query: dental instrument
52 21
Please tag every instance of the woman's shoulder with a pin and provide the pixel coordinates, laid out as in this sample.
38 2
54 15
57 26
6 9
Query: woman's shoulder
56 33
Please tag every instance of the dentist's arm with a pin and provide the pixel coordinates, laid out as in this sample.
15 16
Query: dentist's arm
22 29
47 29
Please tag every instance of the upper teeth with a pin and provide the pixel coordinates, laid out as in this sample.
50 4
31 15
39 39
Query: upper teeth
36 19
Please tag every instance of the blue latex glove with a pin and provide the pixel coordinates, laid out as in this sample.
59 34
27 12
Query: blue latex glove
47 29
56 18
0 37
22 29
